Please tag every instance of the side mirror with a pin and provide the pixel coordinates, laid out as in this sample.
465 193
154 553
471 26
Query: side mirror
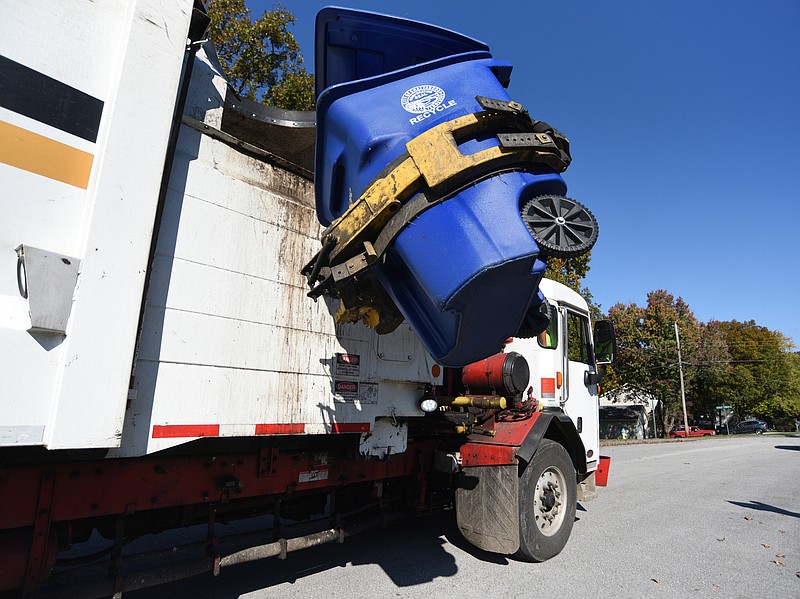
605 342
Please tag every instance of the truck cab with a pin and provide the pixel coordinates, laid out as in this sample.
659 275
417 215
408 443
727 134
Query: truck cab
564 372
533 459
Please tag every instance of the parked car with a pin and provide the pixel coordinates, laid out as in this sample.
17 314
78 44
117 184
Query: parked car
750 426
694 431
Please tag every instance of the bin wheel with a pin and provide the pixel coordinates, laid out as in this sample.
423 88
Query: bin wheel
562 227
547 501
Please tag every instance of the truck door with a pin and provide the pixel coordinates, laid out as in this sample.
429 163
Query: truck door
580 400
544 354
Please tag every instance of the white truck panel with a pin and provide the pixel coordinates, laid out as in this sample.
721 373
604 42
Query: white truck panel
88 43
31 204
94 389
126 55
231 345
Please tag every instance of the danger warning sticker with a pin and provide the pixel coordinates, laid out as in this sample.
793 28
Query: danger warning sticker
352 392
347 365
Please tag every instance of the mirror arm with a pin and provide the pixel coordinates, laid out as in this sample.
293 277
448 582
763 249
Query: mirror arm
592 378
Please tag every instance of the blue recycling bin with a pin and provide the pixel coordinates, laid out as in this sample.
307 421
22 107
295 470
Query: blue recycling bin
465 272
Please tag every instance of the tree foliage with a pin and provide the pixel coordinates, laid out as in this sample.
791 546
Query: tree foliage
261 58
725 363
763 378
710 364
571 272
647 359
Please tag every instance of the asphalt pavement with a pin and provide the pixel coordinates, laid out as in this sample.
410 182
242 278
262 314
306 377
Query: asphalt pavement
714 517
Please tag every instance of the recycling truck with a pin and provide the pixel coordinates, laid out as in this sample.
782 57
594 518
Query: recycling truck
212 309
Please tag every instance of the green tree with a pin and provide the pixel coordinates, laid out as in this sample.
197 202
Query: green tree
788 404
647 358
764 378
711 367
571 272
261 58
735 363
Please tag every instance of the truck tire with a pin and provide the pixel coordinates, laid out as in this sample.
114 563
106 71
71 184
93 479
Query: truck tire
547 500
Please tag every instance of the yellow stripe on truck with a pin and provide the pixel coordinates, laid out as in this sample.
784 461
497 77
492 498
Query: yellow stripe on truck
43 156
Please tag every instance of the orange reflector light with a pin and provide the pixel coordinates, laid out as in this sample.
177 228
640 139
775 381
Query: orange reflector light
436 370
559 379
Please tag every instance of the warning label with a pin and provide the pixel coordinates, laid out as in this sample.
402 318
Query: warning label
368 393
313 475
352 392
347 365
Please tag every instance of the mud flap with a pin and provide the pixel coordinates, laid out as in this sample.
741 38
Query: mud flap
487 507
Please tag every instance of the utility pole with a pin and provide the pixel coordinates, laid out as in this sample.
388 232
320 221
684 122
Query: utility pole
683 391
653 403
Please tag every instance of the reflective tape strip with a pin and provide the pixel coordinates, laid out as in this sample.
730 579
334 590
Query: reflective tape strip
280 429
171 431
43 156
548 388
350 427
21 435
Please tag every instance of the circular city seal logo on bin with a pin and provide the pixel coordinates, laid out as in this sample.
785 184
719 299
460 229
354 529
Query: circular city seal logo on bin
422 98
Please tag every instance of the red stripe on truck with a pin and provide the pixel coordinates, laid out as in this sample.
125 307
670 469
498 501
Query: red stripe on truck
280 429
171 431
350 427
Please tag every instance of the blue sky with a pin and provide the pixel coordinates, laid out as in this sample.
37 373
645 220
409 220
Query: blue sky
684 129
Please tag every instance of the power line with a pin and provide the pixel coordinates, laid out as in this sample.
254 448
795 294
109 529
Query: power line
708 362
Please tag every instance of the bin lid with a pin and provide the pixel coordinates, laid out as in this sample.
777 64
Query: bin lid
355 44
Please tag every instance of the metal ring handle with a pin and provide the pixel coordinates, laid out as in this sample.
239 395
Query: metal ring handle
22 275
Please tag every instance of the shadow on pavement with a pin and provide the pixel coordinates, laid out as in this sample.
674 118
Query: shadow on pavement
411 552
789 447
764 507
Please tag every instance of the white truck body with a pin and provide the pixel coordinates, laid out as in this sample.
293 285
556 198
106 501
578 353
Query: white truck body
78 199
230 345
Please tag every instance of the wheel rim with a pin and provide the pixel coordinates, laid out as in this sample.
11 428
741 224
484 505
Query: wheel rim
548 502
562 227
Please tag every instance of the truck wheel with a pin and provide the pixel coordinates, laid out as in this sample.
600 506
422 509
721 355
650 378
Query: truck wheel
562 227
547 496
